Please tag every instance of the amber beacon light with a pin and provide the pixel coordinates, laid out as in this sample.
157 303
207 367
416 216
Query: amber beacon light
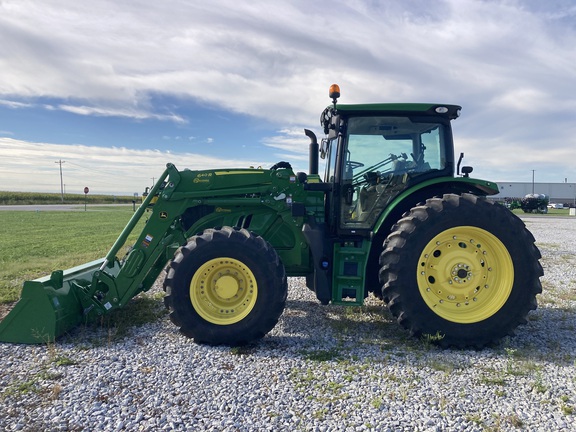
334 92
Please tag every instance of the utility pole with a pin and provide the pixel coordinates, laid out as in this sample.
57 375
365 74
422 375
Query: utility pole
60 162
533 182
153 181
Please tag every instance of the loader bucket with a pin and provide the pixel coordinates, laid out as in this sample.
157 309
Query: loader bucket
53 305
48 307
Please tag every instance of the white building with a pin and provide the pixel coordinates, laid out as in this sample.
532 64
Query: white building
564 193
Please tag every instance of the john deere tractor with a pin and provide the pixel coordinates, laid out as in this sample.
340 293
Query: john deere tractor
388 217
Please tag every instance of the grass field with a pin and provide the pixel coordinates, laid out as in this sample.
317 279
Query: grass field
551 212
33 244
21 198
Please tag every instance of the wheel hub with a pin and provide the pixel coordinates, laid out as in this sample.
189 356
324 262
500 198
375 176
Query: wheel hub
226 287
461 273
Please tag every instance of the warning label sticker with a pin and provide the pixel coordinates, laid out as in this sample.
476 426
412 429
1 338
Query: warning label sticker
147 240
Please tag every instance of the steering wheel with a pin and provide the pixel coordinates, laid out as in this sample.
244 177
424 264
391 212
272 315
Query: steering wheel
354 164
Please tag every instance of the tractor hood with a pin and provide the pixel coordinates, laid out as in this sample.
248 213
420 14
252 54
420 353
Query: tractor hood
230 182
226 178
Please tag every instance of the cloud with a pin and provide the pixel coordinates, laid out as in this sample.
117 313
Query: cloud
290 140
254 58
111 112
266 60
509 63
108 170
14 105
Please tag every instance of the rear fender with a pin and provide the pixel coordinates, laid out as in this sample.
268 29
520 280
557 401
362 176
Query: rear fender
422 191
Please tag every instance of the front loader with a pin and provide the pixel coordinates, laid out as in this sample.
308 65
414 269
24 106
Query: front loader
392 216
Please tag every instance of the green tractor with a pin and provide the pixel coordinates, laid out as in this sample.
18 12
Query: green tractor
388 217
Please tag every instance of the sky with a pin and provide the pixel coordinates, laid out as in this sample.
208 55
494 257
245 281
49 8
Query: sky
111 91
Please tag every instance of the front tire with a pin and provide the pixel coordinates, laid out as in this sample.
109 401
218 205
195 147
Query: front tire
226 286
462 268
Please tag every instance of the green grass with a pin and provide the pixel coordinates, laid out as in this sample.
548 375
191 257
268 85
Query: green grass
322 355
36 243
22 198
551 212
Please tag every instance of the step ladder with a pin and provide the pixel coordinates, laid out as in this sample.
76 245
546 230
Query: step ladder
348 275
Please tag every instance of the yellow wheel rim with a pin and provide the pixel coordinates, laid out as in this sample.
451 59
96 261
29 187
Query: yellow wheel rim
465 274
223 291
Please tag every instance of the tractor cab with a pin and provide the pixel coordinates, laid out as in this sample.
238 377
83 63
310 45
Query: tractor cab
374 152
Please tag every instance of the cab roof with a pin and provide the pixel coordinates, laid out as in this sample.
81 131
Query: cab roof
401 109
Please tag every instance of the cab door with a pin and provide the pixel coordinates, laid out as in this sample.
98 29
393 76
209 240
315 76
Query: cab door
378 158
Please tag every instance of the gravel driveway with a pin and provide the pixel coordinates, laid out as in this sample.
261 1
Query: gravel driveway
323 368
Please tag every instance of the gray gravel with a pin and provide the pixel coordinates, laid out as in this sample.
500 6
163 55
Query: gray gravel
321 369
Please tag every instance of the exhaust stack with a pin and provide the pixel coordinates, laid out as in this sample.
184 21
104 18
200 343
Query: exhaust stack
313 152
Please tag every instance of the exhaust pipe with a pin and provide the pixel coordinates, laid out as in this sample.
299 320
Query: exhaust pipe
313 152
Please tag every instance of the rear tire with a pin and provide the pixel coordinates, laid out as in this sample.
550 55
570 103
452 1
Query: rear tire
461 268
226 286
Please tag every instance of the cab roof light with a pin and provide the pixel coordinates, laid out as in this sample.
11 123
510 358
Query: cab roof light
446 110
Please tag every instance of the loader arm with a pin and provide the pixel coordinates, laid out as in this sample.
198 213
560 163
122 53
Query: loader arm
271 203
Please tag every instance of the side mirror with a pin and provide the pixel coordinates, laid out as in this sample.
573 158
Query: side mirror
334 127
466 170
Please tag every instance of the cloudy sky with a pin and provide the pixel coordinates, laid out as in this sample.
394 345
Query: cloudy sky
118 89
